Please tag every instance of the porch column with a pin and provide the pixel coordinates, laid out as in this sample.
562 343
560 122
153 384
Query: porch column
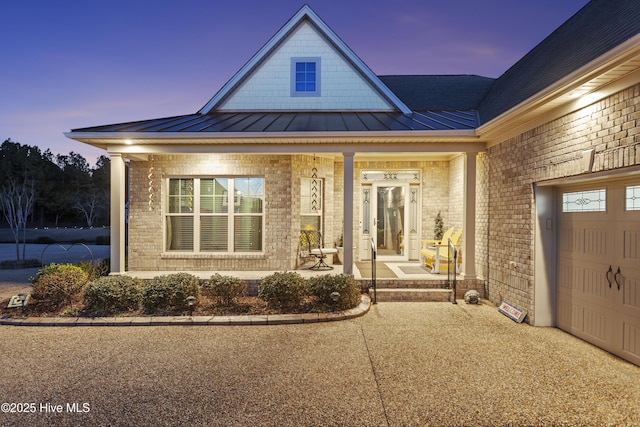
348 214
117 213
469 217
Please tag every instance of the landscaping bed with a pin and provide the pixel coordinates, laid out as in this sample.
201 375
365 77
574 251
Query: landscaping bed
67 290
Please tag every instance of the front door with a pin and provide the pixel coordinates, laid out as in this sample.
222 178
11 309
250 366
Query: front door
389 220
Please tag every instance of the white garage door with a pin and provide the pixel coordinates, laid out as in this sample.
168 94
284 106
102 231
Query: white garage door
599 266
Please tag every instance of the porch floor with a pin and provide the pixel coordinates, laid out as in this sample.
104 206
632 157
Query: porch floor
361 271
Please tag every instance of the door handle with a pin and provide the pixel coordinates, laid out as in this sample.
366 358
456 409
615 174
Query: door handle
610 271
615 277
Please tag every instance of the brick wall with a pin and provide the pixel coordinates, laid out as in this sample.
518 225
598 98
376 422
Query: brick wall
301 167
146 227
610 127
482 215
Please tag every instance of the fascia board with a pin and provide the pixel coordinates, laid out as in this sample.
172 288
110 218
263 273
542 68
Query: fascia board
271 137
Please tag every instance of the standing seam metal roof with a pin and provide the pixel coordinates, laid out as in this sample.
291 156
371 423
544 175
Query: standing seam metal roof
299 122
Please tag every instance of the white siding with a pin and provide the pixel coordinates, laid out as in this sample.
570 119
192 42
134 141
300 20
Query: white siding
269 86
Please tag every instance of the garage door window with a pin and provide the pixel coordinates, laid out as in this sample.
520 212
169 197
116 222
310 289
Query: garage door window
585 201
632 200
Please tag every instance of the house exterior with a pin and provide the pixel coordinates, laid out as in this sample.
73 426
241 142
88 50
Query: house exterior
540 168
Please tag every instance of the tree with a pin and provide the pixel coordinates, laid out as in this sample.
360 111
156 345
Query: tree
17 202
87 205
92 199
438 229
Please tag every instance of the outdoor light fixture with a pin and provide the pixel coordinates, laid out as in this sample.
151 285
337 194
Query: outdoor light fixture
334 296
191 300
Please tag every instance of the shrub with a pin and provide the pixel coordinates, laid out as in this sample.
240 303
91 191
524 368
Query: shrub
283 289
169 292
23 263
44 240
59 286
323 286
95 269
113 293
103 240
226 289
54 268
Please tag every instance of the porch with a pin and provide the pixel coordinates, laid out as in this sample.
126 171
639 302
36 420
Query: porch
395 281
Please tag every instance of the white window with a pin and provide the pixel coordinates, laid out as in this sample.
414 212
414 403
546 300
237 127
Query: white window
311 204
585 201
214 214
632 198
305 76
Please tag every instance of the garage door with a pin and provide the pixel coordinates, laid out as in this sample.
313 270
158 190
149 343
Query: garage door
599 266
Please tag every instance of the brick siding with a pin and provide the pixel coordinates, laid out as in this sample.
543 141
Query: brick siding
610 127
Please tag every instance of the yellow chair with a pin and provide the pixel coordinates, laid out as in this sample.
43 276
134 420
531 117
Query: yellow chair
436 256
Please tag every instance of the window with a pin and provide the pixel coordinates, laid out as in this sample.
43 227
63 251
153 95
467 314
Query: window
214 214
632 198
311 204
305 76
585 201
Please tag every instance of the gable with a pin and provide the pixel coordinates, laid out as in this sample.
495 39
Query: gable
269 85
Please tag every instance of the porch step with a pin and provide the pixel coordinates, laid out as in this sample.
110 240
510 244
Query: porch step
414 295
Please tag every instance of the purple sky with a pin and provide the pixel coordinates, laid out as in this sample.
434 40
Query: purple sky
76 63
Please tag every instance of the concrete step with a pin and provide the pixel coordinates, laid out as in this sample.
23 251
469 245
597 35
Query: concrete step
414 295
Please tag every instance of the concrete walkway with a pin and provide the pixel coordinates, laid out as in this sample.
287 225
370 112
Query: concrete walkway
401 364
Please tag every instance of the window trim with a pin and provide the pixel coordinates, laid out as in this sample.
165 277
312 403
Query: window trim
197 215
296 60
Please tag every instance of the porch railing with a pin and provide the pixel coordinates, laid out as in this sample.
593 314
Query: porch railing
373 271
451 269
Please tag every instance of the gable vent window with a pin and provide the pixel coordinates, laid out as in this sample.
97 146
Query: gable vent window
305 76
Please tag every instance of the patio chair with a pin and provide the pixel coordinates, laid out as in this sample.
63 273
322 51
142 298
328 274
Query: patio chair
437 256
313 241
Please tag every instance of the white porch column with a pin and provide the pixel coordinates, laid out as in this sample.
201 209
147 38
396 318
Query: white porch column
469 217
348 213
117 248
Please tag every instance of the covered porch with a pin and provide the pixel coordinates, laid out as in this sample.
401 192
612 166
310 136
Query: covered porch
343 217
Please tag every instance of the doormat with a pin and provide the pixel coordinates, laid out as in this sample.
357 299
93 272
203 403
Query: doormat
382 271
412 269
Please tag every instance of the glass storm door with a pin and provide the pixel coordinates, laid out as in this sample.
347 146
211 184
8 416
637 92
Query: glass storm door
389 220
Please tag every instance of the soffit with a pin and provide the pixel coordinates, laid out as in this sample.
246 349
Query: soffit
611 73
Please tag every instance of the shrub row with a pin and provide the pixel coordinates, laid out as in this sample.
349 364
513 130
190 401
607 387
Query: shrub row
289 289
59 283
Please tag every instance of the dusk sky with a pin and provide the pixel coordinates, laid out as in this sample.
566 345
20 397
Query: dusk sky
76 63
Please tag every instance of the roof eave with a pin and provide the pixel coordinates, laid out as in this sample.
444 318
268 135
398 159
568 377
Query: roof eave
118 141
558 97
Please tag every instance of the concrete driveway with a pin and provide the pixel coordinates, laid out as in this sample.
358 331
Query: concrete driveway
402 364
